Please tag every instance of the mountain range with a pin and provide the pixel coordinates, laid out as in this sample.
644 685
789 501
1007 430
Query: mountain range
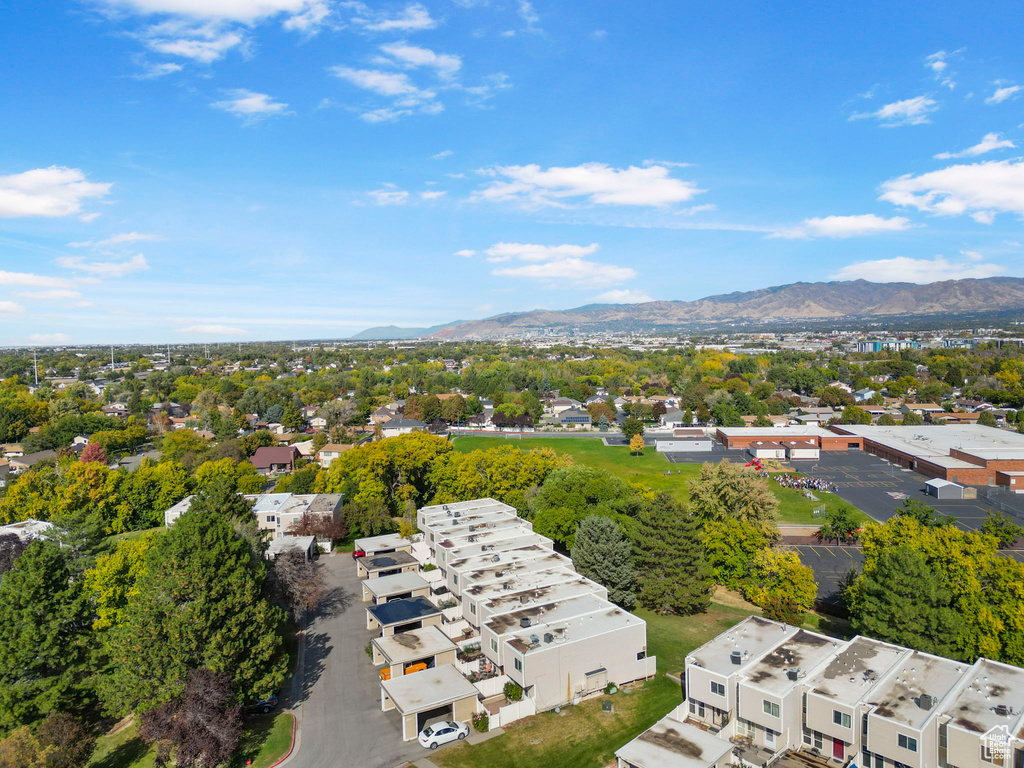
789 306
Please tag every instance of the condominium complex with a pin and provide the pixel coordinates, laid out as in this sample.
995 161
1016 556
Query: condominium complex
778 695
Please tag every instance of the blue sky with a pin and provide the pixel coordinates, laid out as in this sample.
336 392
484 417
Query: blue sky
190 170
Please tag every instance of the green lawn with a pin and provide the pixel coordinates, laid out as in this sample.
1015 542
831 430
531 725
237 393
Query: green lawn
266 740
648 471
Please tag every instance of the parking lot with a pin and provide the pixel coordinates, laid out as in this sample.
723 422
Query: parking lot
879 488
830 566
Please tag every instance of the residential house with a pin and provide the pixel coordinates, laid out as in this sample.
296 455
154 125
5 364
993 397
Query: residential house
274 459
19 464
573 416
925 410
326 455
398 426
865 394
560 404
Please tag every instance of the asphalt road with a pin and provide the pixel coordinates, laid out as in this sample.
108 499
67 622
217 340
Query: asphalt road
336 699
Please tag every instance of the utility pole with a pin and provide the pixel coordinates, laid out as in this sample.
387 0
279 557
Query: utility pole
35 360
111 357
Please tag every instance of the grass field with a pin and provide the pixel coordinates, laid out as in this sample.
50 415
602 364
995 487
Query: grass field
586 737
648 471
266 740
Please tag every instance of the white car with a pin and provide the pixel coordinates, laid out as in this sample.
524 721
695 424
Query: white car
437 734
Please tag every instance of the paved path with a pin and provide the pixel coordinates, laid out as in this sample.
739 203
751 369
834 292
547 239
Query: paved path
337 700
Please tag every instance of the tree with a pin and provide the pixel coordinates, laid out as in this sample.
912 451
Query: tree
911 419
71 742
853 414
987 419
726 490
300 582
636 444
199 604
632 427
44 638
840 524
573 493
370 519
674 577
899 598
886 420
781 586
603 553
179 442
11 547
114 579
603 424
916 509
200 727
834 397
999 525
324 527
730 546
94 452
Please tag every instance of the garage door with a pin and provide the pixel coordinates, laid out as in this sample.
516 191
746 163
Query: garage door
423 719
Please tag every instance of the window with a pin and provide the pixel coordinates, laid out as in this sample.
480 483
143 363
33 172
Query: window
455 578
270 518
494 645
745 728
697 708
641 655
841 718
907 742
717 688
472 607
813 739
518 663
770 708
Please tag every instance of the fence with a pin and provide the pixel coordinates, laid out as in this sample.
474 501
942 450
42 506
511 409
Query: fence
492 686
1003 499
511 712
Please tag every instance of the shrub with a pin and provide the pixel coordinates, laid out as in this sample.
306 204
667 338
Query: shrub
513 691
481 722
429 567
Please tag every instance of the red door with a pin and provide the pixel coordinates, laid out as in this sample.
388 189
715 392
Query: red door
838 749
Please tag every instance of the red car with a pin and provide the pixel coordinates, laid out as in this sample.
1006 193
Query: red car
358 553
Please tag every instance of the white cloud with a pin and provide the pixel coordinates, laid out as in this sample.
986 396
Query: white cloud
938 63
980 189
245 11
903 269
913 111
204 44
844 226
213 330
623 296
310 20
466 253
433 194
51 192
990 142
414 18
666 163
532 252
105 268
10 308
443 154
576 273
158 70
49 338
51 294
529 15
382 83
28 280
389 195
120 239
594 183
249 105
447 65
1003 93
562 265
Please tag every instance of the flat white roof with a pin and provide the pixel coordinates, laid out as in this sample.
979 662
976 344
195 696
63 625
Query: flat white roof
671 744
417 644
607 618
778 433
372 544
27 529
524 581
283 544
463 507
395 584
801 652
896 698
933 441
509 566
428 689
856 670
986 686
937 482
510 623
752 637
485 560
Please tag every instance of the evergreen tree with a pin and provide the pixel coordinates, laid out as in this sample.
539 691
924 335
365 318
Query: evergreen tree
44 637
987 419
603 553
669 552
199 604
219 497
901 599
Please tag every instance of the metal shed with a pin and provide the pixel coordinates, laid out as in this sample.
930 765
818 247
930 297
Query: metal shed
944 489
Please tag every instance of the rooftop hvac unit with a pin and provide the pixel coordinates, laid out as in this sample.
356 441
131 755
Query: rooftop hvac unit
1003 710
534 640
472 528
926 701
548 637
507 586
524 622
524 599
496 559
472 539
457 514
735 657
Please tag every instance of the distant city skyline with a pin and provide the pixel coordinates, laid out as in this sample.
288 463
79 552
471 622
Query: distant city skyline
236 170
